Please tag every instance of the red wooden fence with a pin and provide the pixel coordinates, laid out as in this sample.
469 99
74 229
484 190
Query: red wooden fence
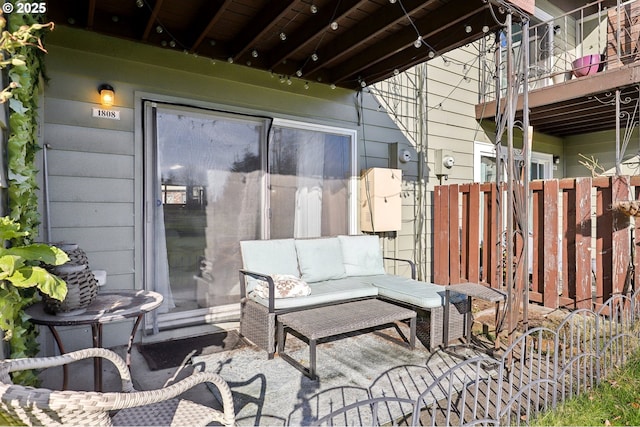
580 245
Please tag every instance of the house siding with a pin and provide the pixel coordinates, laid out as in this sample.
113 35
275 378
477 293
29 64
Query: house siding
600 145
95 165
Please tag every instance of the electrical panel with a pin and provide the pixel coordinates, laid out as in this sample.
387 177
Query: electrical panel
380 201
443 162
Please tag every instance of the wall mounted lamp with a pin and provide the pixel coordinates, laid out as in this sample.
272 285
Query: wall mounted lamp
107 95
556 160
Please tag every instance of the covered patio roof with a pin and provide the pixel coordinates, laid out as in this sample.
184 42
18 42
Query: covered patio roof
349 43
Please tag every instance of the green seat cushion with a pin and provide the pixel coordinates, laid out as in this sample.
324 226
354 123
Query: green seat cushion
325 292
413 292
362 255
269 257
320 259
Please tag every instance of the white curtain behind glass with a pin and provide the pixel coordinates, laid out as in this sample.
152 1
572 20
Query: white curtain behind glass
162 282
309 177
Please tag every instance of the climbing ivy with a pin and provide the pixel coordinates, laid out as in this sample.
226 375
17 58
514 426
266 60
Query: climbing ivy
22 55
22 144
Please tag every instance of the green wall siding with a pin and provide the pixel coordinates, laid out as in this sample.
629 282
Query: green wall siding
95 164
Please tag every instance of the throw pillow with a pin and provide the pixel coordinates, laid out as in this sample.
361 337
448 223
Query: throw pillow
285 286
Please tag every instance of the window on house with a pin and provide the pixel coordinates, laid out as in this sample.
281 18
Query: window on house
485 166
213 179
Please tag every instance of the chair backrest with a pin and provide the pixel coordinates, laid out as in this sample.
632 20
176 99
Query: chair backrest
21 405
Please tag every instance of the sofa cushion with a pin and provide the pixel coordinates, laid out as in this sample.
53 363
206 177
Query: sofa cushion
320 259
414 292
285 286
325 292
269 257
361 255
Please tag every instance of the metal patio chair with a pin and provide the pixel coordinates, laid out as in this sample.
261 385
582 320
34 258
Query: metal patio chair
40 406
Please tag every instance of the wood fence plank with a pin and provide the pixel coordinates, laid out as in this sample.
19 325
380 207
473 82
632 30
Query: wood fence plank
550 225
635 248
621 242
441 235
487 248
473 267
495 258
568 243
583 292
568 233
603 243
464 233
454 235
537 250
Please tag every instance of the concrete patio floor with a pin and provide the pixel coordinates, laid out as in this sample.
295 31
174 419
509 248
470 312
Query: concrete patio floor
81 373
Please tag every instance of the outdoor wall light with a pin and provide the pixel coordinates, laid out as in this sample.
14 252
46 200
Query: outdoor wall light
107 95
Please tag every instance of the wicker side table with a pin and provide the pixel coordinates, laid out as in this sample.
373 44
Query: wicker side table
471 290
323 322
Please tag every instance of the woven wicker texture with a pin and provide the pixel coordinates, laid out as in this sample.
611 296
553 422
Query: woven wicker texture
258 325
457 314
82 288
338 319
38 406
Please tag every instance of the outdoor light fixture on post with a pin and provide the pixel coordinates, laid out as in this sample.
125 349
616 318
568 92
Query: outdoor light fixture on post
107 95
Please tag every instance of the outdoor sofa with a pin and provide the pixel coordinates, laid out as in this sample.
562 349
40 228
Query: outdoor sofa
284 275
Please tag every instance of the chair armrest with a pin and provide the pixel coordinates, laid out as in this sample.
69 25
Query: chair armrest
141 398
411 264
259 276
13 365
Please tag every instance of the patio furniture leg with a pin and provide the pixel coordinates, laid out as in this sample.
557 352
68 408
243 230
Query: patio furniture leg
312 359
445 323
469 320
412 337
280 338
496 343
65 368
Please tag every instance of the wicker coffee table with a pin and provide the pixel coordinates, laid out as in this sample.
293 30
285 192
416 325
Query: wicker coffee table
323 322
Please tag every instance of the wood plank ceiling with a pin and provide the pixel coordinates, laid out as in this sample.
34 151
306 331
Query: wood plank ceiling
349 43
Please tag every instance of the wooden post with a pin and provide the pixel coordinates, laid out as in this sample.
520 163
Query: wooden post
454 235
550 225
621 241
583 292
441 248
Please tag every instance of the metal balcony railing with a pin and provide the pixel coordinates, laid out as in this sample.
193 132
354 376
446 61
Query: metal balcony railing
603 37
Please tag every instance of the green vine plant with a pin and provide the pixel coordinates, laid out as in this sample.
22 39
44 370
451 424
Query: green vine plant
22 274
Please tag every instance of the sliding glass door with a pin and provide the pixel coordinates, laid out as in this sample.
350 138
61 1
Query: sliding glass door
213 179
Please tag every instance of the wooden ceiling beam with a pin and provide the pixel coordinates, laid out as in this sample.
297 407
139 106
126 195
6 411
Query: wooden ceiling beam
399 49
378 23
310 33
91 14
155 11
261 26
217 16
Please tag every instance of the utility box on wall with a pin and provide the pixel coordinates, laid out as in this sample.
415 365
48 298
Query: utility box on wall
380 202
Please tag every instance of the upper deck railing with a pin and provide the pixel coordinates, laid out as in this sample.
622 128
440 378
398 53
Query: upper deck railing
607 35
